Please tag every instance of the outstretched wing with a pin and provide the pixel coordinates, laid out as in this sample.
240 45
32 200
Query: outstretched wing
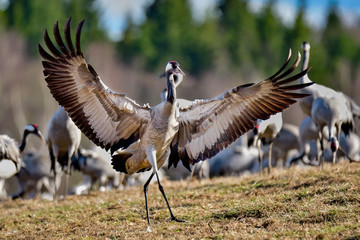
109 119
208 126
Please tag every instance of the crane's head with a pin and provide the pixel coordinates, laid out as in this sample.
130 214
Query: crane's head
173 67
256 129
305 46
33 129
334 144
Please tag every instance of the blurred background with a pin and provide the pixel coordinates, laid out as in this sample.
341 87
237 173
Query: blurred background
218 43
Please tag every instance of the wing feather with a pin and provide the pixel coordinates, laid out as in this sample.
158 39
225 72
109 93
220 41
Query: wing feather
208 126
109 119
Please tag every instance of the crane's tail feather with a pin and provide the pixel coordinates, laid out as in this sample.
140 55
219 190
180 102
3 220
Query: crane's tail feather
119 161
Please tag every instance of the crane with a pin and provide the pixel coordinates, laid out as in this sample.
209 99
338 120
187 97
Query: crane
148 136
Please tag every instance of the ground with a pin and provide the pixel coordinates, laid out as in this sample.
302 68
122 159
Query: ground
287 204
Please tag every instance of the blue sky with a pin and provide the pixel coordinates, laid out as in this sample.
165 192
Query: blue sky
114 12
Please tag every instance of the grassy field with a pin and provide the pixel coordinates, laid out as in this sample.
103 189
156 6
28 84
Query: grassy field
296 203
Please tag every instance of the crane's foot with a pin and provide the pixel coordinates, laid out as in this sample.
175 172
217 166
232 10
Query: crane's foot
148 229
173 218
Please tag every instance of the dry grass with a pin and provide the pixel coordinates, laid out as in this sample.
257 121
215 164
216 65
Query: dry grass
296 203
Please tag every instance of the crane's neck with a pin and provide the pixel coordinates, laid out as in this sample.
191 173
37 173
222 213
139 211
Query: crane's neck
23 142
305 64
171 94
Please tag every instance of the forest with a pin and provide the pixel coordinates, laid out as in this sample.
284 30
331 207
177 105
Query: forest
232 45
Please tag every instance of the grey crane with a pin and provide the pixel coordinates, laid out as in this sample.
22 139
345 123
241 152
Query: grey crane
287 142
318 90
10 151
63 139
310 143
334 113
90 163
267 130
237 159
149 136
36 174
308 134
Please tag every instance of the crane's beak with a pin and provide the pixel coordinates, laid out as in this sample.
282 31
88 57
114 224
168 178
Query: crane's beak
178 79
39 134
178 70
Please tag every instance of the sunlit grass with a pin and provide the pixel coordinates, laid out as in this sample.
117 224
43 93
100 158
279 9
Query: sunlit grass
295 203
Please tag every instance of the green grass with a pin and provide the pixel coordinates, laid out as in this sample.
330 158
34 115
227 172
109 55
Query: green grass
296 203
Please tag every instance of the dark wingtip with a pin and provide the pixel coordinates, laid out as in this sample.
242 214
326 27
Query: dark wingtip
59 40
68 37
56 25
45 33
77 40
45 54
68 20
289 55
282 67
50 45
290 70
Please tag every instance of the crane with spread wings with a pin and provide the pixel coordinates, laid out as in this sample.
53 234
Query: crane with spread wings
148 136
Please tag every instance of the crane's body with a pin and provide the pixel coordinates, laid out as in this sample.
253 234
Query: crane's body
267 130
317 90
156 140
331 112
63 139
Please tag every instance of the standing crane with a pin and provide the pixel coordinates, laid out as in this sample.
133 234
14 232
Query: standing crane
90 163
10 151
266 131
318 90
287 142
36 175
334 113
63 139
308 133
149 136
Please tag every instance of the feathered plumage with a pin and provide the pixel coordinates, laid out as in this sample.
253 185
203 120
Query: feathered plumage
148 135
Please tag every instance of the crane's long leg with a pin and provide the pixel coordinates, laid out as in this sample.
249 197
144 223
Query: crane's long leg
3 194
334 156
146 200
321 153
258 144
192 173
172 217
53 168
70 153
338 130
270 155
190 177
151 154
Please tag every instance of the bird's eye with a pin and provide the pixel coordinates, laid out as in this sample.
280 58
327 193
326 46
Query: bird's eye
174 64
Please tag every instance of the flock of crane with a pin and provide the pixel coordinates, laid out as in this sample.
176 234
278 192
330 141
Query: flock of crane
246 120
